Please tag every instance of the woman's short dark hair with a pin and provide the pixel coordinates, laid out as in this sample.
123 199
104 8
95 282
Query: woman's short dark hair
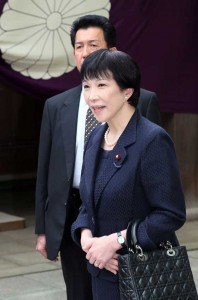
123 68
87 21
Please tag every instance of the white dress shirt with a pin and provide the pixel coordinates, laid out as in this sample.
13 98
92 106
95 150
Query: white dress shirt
82 111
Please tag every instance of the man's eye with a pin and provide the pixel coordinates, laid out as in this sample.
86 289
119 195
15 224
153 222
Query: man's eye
79 47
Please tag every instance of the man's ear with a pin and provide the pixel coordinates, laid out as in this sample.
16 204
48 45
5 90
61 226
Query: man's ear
113 49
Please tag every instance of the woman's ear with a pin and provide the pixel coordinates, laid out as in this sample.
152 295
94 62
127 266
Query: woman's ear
128 93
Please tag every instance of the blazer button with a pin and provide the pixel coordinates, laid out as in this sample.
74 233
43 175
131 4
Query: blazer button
93 220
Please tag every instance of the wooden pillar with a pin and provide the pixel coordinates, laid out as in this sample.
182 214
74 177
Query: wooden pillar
20 118
184 130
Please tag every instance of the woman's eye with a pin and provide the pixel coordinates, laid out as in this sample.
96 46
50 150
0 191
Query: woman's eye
86 86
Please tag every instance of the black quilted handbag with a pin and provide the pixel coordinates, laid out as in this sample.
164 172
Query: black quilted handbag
155 275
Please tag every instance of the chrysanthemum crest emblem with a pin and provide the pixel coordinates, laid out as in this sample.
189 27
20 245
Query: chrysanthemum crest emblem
35 34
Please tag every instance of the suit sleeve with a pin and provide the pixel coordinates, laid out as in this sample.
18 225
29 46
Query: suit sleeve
153 111
42 172
162 186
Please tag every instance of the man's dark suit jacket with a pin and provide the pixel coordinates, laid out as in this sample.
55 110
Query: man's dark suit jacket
57 158
144 184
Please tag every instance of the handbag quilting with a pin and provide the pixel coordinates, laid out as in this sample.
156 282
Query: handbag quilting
163 274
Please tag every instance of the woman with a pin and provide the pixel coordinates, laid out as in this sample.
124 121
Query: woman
130 172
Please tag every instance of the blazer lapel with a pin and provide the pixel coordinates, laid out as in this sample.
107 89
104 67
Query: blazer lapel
115 161
69 116
111 167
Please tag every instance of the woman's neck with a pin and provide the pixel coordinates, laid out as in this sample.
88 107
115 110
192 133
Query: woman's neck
115 128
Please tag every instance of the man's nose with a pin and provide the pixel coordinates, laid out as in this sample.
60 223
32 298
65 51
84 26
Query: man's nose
86 51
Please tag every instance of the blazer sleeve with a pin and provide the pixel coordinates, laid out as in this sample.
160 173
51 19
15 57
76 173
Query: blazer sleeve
82 221
162 186
42 172
149 106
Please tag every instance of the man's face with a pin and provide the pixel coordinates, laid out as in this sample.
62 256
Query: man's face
87 41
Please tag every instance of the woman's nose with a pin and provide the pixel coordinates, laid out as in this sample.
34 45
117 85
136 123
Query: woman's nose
93 95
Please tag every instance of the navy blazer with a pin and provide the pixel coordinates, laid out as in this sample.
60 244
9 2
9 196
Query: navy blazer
144 183
57 158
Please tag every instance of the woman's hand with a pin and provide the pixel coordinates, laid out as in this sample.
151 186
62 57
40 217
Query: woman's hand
112 264
86 239
102 252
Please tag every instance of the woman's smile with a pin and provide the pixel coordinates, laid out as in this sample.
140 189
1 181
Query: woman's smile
97 108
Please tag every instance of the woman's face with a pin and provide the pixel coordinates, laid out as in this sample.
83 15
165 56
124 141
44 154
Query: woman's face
105 97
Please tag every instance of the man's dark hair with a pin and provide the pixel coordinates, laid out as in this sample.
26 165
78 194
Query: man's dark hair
118 64
87 21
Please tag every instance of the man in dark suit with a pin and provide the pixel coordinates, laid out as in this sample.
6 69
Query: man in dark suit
60 160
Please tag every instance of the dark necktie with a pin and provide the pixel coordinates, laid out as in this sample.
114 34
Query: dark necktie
90 124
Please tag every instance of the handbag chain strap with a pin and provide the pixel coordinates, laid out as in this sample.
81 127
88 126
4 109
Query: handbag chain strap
134 247
168 246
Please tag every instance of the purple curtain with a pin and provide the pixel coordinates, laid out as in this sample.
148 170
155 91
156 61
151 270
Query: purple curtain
162 36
